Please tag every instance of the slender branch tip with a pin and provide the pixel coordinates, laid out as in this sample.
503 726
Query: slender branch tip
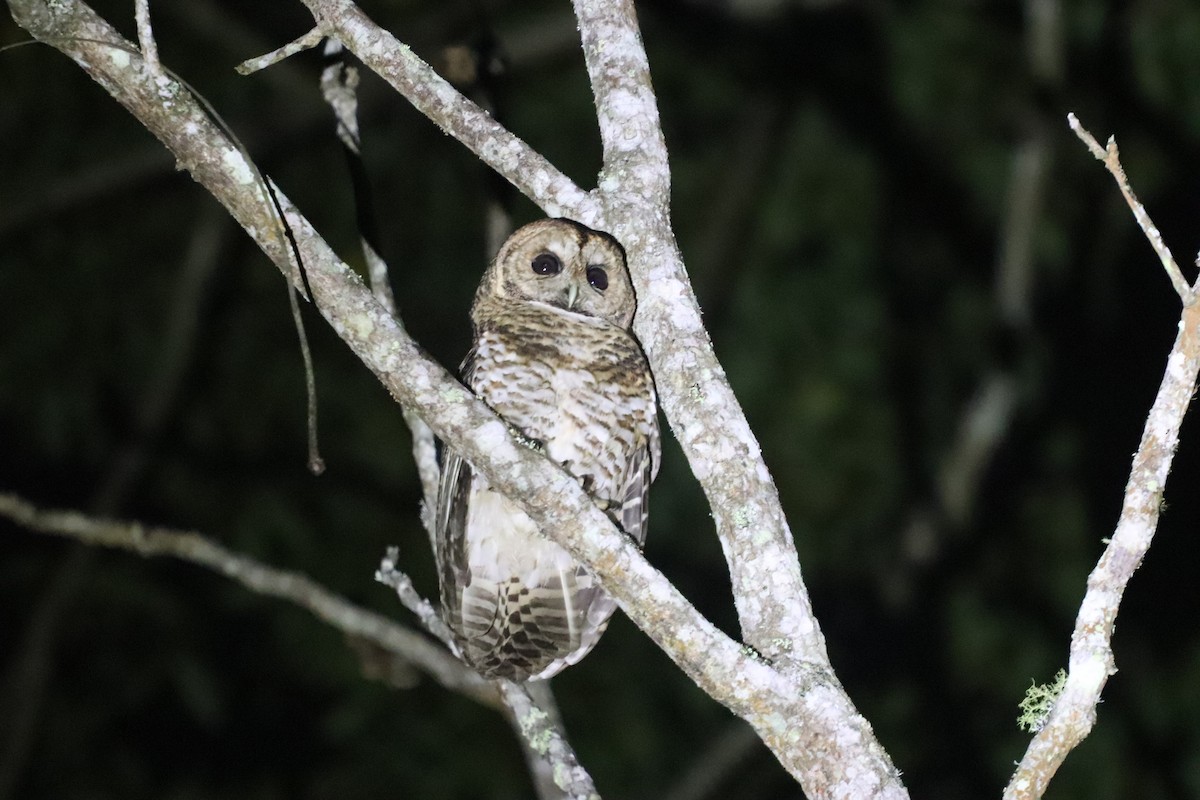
305 42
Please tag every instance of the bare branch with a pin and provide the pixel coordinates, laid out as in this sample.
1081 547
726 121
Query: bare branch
545 738
292 586
434 97
146 35
1112 162
305 42
390 575
1091 659
772 602
635 153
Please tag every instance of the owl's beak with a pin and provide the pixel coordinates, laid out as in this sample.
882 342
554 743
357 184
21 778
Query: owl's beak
572 295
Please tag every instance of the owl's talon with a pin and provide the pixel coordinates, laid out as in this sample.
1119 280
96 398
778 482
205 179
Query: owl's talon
754 655
536 445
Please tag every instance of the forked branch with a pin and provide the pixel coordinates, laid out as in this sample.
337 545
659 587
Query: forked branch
1091 661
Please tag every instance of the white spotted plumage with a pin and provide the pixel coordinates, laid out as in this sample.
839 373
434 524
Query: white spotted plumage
554 356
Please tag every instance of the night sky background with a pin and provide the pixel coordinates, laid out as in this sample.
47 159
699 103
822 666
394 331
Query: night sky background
843 179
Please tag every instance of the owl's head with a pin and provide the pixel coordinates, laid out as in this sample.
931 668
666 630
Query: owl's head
564 264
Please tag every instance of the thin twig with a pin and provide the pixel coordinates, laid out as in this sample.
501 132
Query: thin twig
305 42
146 35
263 579
389 575
1112 162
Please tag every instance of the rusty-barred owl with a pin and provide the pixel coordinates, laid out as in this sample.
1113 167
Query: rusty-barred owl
554 356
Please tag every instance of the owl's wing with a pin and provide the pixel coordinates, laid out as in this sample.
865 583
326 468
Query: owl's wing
635 499
450 521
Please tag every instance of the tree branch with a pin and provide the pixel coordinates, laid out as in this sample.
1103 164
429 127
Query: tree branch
772 601
434 97
635 153
1112 162
292 586
1091 659
544 738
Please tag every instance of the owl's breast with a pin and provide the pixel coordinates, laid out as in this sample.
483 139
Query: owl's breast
584 394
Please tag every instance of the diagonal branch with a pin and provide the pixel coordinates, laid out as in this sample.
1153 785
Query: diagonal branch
1091 659
434 97
1112 162
292 586
772 602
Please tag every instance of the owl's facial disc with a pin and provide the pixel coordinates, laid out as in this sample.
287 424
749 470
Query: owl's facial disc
563 264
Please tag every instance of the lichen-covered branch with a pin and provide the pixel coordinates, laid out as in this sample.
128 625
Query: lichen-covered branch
1091 659
294 587
635 152
772 601
545 739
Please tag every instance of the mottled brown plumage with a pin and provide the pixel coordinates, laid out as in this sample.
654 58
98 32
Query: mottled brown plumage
554 356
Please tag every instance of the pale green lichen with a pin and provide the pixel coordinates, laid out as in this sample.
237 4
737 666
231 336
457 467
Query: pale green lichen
539 740
1039 700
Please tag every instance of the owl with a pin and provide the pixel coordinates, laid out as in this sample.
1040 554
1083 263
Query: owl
554 356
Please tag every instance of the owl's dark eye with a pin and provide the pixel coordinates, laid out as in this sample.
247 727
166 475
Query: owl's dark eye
546 264
597 277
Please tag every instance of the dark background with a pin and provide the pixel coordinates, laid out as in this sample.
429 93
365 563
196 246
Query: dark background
843 175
